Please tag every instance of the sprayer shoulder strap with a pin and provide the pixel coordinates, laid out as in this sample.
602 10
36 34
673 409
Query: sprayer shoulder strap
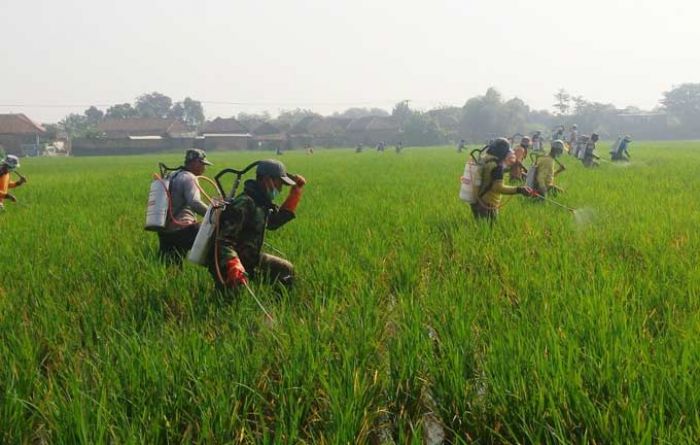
486 189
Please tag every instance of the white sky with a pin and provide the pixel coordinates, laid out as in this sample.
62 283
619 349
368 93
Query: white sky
331 55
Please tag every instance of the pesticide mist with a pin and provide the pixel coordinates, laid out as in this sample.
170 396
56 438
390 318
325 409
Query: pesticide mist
584 216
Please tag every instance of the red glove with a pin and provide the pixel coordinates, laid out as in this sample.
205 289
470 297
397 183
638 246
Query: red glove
527 191
235 273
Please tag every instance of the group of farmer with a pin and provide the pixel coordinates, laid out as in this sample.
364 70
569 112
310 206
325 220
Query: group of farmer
498 158
237 252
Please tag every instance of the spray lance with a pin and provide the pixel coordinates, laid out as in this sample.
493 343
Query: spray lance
551 201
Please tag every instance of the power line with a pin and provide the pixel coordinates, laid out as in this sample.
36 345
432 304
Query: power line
215 102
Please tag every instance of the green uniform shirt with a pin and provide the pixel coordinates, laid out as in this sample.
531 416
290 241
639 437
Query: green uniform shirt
243 223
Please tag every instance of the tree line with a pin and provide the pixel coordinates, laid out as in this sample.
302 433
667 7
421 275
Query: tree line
480 118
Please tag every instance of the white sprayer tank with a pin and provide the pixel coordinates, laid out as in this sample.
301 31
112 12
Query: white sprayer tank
158 203
471 181
202 243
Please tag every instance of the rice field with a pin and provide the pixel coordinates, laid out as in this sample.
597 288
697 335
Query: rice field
409 322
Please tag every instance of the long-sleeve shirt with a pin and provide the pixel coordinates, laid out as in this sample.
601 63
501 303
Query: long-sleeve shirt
185 198
492 186
5 186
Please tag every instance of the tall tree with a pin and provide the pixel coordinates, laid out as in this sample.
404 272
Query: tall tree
121 111
563 101
93 115
683 103
288 118
358 112
402 112
193 112
153 105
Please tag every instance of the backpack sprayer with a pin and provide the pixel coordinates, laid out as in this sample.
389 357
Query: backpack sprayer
471 179
210 224
159 206
532 172
210 228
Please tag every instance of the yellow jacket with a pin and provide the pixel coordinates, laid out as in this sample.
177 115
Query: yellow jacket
492 186
545 172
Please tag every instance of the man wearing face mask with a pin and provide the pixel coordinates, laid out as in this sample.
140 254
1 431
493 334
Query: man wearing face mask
243 223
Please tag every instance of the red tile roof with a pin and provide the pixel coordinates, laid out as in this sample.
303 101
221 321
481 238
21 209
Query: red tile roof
19 124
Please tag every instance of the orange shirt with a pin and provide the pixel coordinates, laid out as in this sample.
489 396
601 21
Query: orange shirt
5 185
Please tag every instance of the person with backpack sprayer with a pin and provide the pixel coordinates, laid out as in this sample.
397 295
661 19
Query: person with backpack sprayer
573 139
544 170
620 152
499 156
186 202
236 253
518 169
590 159
8 165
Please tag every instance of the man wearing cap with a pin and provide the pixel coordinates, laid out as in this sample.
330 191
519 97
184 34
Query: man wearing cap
9 164
185 199
237 250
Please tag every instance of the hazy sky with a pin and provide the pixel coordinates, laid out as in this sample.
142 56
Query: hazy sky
331 55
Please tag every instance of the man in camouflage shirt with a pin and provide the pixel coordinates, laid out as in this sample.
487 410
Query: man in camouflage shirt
237 248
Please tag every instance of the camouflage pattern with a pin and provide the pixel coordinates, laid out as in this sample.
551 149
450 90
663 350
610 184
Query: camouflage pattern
242 228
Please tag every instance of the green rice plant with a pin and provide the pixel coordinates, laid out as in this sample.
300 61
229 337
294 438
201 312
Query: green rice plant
409 317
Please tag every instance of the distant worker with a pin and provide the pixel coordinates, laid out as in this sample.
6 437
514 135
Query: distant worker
590 159
545 173
380 146
558 133
399 147
461 146
536 141
358 149
186 202
498 157
243 223
621 153
518 169
573 138
8 165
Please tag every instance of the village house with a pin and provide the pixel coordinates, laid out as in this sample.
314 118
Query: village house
135 136
268 137
143 128
320 131
371 130
19 135
225 134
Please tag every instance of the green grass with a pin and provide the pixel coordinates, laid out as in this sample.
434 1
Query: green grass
537 330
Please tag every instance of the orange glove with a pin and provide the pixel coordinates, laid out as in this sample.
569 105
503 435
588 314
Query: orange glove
293 199
235 273
300 180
